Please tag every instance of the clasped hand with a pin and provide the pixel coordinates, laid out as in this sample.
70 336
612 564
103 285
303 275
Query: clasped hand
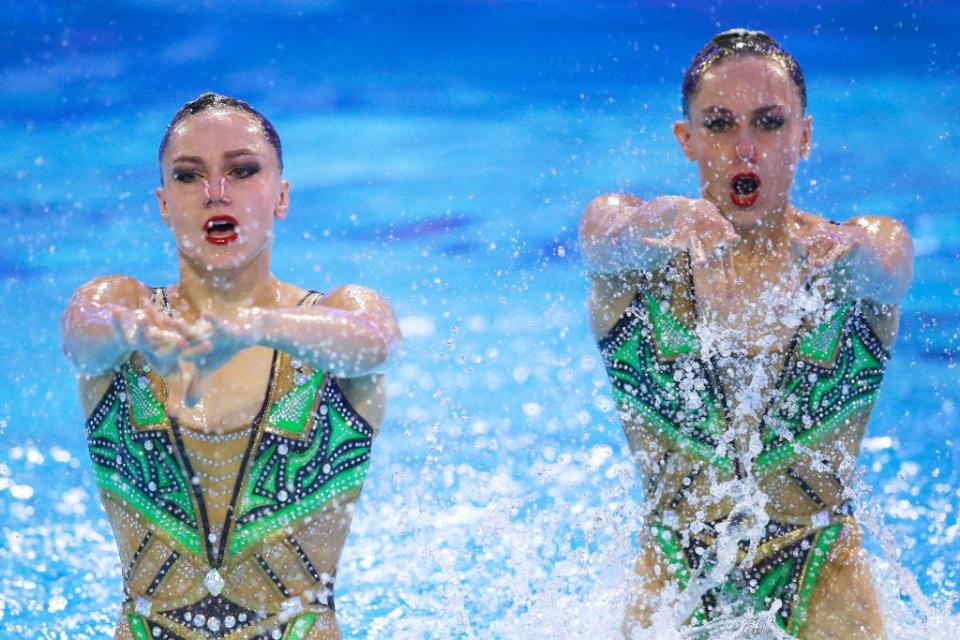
185 353
700 229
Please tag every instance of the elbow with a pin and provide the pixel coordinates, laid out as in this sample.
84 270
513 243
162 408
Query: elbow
897 261
379 349
598 228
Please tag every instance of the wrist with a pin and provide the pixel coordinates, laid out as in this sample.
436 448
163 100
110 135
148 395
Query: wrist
254 326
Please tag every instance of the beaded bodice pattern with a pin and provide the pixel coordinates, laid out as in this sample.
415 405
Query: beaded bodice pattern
833 369
248 576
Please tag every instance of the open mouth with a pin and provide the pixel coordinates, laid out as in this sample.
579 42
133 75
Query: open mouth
745 189
220 229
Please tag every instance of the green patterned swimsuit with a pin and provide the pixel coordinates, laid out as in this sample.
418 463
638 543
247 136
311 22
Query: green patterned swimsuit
249 576
833 370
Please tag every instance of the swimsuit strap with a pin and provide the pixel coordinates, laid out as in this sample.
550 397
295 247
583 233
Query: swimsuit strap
307 448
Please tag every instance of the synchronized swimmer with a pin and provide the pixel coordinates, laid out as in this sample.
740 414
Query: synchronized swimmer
231 415
745 341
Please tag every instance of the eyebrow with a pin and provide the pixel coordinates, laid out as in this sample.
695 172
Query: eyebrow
721 111
767 108
716 111
193 159
239 152
228 155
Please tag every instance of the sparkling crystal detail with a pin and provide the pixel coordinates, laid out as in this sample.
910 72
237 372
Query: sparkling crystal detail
213 582
820 519
143 606
293 606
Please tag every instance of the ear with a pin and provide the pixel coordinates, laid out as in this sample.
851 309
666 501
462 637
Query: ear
806 136
162 203
682 132
283 201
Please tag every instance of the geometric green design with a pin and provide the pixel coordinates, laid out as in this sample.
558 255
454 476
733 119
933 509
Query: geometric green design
775 585
291 412
646 383
301 626
673 336
677 564
146 408
341 432
138 627
290 478
821 342
814 398
808 583
141 471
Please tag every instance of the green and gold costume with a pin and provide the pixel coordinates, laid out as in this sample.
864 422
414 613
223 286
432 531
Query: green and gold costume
188 577
662 382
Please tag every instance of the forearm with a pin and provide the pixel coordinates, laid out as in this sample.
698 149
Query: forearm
340 342
613 229
880 269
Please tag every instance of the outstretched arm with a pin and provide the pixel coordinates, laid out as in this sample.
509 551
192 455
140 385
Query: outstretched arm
110 317
351 334
622 232
871 257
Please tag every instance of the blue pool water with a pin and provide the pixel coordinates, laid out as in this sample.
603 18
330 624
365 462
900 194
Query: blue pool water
441 152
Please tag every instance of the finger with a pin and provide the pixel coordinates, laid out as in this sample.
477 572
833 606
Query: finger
834 255
731 236
662 243
697 253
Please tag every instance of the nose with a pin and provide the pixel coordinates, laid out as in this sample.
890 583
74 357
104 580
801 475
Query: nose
746 150
221 197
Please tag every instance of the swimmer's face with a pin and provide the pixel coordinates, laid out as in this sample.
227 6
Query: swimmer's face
221 190
746 132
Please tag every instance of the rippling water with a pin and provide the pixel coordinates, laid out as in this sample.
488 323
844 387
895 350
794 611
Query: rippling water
441 152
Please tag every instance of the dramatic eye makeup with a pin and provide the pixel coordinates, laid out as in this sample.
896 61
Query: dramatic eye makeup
185 175
244 170
769 118
717 120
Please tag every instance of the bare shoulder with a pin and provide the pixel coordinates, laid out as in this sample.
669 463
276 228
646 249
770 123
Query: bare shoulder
111 289
102 291
354 297
879 223
606 205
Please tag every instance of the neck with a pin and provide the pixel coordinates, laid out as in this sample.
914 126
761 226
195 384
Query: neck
223 292
769 235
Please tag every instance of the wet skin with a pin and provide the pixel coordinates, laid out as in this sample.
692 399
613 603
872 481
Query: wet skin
230 313
748 259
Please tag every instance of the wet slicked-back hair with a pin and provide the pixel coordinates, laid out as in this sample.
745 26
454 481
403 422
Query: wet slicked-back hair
212 100
739 42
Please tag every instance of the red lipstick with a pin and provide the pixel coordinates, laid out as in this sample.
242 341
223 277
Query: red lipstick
220 229
745 189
